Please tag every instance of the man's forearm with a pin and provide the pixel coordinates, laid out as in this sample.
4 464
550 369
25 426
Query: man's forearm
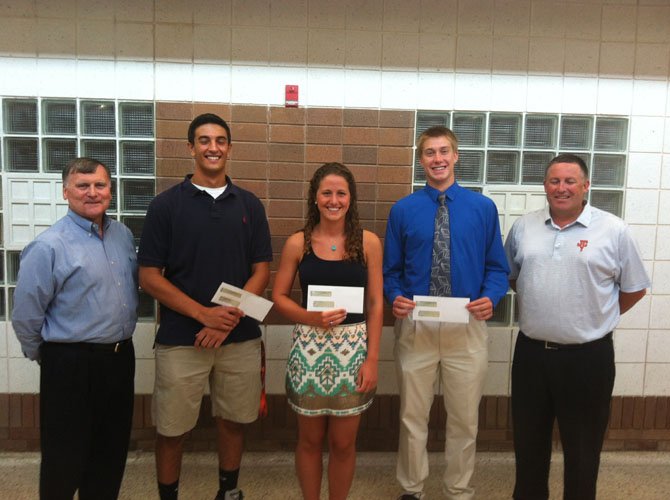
259 279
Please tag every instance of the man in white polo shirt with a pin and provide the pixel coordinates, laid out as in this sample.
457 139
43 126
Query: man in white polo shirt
575 269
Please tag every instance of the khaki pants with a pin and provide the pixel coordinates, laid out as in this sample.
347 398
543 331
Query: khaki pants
459 353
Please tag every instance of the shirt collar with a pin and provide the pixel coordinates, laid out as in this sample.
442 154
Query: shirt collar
450 193
87 225
584 218
188 185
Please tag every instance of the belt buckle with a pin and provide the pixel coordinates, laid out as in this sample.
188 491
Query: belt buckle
550 347
117 347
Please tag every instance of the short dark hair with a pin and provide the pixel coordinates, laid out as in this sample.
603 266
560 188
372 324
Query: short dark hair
569 158
83 165
204 119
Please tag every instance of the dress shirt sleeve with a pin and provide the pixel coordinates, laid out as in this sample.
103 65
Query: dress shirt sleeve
633 276
511 250
393 256
35 289
496 270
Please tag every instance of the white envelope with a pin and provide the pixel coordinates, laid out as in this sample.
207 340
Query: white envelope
252 305
325 298
444 309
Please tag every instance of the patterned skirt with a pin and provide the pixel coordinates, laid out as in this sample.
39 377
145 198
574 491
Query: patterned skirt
322 369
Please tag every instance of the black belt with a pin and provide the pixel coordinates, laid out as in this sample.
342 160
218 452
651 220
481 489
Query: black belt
93 346
555 345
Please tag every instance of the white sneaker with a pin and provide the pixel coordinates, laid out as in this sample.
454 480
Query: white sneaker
235 494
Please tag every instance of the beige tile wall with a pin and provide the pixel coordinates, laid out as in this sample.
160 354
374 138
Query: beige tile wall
592 37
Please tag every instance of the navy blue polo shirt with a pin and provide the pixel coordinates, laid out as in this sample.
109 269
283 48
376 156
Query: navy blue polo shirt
200 242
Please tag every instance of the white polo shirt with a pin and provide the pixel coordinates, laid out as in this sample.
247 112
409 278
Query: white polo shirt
568 279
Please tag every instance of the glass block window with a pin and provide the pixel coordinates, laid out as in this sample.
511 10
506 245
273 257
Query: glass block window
38 136
137 158
611 134
60 117
576 132
502 313
20 116
136 119
12 266
101 150
136 194
135 224
608 170
515 148
98 118
469 169
57 152
533 167
470 128
540 131
502 167
504 130
509 152
22 154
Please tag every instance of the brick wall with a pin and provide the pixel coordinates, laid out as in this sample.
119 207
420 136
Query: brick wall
276 150
636 423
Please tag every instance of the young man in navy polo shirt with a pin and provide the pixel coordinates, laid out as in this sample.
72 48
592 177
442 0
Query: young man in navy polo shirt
197 234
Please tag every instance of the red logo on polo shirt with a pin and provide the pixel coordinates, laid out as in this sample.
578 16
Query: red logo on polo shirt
582 244
244 219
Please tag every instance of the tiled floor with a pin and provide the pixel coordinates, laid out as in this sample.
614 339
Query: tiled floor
623 476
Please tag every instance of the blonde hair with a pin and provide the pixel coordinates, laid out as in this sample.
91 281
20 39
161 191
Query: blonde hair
436 131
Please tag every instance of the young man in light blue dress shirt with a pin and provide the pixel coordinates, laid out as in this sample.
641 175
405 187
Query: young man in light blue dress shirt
458 353
75 309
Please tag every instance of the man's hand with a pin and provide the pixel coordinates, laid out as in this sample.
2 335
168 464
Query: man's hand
220 317
210 338
481 309
402 307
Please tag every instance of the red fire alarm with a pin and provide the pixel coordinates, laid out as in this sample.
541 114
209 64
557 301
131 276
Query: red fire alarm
291 96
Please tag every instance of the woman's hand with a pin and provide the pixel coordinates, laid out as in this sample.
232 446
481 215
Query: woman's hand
329 319
367 376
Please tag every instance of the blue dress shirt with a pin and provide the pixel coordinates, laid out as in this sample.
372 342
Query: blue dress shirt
74 286
478 263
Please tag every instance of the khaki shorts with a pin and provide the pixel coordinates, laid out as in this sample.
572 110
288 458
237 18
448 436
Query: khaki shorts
182 373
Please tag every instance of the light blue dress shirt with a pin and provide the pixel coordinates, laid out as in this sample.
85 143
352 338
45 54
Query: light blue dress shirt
74 286
568 279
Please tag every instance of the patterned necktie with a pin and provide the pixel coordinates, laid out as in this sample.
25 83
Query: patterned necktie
440 269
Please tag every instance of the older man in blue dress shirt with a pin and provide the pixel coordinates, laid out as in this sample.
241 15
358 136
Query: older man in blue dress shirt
75 309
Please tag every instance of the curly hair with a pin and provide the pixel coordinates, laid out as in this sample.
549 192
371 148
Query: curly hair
353 247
